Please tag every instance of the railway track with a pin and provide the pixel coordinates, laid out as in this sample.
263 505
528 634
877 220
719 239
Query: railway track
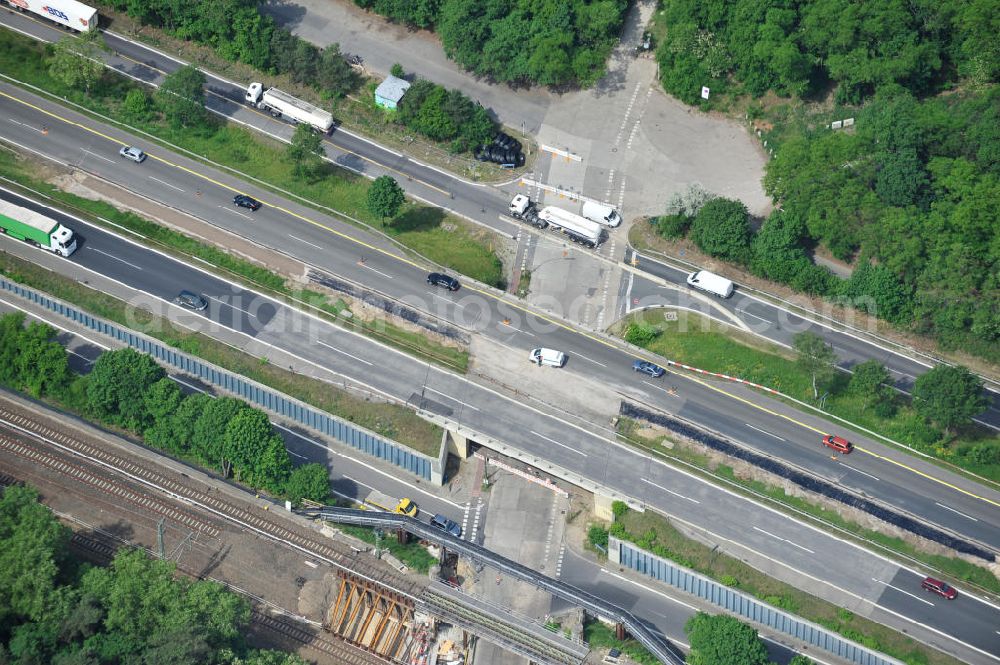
100 551
41 445
119 491
32 439
148 485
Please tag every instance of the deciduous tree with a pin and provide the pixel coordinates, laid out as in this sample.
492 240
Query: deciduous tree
247 436
385 197
723 640
208 439
136 106
181 97
42 364
308 481
306 152
722 228
117 384
816 357
949 396
869 382
76 61
32 546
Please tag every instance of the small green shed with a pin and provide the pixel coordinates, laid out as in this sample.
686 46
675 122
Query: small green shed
390 91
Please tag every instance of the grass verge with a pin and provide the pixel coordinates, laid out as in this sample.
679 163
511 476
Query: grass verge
702 342
654 532
229 266
388 420
635 433
413 554
444 239
524 284
356 112
601 636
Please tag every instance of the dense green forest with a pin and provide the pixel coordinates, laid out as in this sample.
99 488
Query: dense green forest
911 193
806 47
55 611
239 32
445 115
128 390
549 42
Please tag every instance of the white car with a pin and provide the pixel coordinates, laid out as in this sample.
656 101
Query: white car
133 153
549 357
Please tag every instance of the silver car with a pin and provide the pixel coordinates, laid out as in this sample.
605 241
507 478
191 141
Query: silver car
133 153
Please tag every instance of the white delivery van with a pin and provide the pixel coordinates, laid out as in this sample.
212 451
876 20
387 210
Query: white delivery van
710 282
549 357
602 214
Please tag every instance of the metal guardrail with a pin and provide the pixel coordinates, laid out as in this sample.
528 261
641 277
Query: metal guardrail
628 555
358 438
656 644
532 640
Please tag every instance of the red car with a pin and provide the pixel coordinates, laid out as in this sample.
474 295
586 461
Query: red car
840 445
939 587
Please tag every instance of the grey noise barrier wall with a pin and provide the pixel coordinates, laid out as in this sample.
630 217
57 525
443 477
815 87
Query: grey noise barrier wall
628 555
259 395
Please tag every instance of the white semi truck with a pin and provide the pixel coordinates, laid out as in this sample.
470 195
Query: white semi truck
576 227
279 103
67 13
36 229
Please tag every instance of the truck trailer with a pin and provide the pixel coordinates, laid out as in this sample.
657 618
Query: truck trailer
36 229
279 103
576 227
67 13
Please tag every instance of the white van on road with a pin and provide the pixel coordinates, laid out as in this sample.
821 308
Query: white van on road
602 214
549 357
711 283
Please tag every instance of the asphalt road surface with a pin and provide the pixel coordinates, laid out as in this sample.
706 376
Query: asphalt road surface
780 325
830 564
486 412
763 424
488 206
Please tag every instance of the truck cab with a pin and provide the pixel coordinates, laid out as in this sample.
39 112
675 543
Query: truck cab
254 92
519 205
63 241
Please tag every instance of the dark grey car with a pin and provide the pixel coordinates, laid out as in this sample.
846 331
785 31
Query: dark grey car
440 279
244 201
445 524
189 300
649 368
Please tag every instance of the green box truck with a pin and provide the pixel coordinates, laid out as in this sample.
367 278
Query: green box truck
36 229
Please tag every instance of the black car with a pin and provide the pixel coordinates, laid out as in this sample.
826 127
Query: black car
244 201
189 300
440 279
647 367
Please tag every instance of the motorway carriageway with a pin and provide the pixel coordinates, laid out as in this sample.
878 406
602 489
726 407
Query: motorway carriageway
485 204
354 479
92 157
830 563
761 423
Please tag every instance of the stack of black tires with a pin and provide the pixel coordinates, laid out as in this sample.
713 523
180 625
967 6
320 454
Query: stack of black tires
505 150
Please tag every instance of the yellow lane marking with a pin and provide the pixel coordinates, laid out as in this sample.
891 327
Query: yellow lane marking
206 178
267 116
492 296
929 477
732 396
